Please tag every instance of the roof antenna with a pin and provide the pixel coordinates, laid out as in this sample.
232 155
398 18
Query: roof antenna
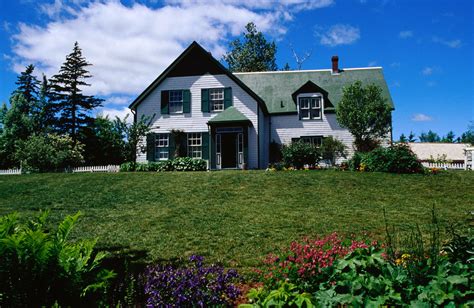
300 60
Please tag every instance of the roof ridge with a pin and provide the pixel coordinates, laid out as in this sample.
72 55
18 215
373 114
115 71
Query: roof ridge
310 71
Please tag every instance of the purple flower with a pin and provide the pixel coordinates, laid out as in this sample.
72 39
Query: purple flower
195 285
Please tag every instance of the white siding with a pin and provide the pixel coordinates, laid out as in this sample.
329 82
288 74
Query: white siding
196 121
286 127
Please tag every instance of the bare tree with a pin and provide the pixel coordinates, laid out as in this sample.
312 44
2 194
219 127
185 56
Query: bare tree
300 60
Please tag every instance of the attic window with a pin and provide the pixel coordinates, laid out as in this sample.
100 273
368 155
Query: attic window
176 101
310 106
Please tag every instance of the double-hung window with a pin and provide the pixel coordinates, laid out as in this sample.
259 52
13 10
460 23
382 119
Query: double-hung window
176 101
310 108
195 145
216 99
162 146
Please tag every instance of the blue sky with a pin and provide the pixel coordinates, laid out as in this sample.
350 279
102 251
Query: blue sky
425 47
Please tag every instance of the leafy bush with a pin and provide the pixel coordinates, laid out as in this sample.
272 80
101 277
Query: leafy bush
298 154
395 159
188 164
195 285
284 295
41 267
332 149
49 153
177 164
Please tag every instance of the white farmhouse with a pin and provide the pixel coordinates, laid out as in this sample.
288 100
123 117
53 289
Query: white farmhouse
231 119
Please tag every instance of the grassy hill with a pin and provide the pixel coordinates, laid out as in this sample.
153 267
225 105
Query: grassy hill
234 216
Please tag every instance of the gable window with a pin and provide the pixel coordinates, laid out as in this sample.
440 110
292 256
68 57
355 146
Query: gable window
216 99
162 147
195 145
310 107
176 101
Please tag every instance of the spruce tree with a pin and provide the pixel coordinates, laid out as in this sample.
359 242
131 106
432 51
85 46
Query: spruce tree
254 54
28 85
44 110
72 105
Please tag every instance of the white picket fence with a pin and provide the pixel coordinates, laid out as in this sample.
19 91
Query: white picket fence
10 172
108 168
445 166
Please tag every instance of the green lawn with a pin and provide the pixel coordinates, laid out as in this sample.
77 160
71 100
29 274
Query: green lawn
234 216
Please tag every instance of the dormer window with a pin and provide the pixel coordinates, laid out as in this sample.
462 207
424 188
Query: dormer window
310 106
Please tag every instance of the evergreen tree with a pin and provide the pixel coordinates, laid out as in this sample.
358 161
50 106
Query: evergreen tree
403 138
28 85
3 112
72 105
17 126
411 137
468 136
450 137
430 136
44 111
254 54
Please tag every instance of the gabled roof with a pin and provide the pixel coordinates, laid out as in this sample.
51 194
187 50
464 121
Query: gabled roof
195 61
276 88
230 114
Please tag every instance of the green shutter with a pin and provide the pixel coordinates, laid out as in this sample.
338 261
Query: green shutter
246 149
165 109
171 146
205 145
150 147
205 100
227 97
186 101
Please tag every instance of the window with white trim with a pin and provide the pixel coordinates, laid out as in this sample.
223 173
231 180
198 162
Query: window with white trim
195 145
315 140
176 101
162 146
310 108
216 99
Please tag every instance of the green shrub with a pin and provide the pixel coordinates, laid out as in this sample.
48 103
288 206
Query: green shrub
298 154
354 162
332 149
188 164
395 159
49 153
127 167
41 267
177 164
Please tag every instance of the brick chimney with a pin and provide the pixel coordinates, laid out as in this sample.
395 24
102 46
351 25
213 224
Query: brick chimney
335 64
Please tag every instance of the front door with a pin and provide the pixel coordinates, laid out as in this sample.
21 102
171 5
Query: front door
229 150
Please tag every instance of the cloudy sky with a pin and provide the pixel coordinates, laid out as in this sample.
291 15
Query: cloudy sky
425 47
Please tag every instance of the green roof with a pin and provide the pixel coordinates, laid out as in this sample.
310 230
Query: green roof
276 88
231 114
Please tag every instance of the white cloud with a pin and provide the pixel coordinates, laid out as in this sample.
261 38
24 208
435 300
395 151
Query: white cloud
112 113
427 71
129 46
395 64
119 100
338 34
405 34
421 117
262 4
372 63
450 43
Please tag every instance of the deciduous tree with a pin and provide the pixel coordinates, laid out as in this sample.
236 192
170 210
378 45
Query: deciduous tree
365 113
